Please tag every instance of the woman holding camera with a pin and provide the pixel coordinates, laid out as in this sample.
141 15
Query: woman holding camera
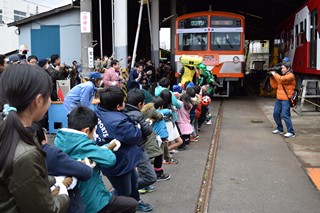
285 85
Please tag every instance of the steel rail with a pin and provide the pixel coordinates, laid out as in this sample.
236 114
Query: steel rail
207 178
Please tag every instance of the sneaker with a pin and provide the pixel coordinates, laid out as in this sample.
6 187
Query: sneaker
197 136
143 207
142 191
163 177
209 116
171 161
209 122
183 148
193 139
150 189
289 135
276 131
173 151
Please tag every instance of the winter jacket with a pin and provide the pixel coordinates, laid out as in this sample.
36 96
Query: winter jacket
135 114
111 77
183 122
148 98
287 80
150 112
148 138
160 127
28 189
118 125
60 164
175 102
78 146
80 95
132 83
151 146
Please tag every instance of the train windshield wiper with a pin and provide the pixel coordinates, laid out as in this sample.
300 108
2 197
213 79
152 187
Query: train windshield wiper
228 41
217 43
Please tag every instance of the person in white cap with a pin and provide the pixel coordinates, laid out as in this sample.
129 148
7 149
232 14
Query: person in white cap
23 51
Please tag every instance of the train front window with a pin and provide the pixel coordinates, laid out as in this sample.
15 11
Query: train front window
193 41
225 41
193 33
225 33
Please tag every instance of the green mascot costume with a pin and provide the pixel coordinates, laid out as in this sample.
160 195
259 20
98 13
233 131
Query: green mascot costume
207 78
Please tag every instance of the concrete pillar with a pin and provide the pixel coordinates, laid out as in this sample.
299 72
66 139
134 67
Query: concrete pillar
155 31
120 31
173 9
86 36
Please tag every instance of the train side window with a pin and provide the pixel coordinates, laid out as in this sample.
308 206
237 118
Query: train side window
291 40
296 35
301 34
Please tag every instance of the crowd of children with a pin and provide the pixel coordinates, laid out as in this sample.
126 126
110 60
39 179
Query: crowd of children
127 138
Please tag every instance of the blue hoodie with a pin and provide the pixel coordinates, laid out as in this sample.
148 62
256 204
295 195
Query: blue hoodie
160 127
78 146
118 125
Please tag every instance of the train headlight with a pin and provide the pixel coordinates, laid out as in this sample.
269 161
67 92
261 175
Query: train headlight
236 59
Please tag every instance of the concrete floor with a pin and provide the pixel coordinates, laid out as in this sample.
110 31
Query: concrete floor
180 193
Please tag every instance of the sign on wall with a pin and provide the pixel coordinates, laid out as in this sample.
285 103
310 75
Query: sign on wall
85 19
90 57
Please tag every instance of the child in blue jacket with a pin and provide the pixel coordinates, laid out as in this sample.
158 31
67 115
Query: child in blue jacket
76 142
114 124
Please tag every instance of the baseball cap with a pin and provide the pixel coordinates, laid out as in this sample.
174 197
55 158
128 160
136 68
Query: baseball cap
177 88
42 62
286 59
191 84
95 75
13 58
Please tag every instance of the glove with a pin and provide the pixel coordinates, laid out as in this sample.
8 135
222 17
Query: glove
64 180
118 144
59 179
73 184
88 162
114 145
148 120
60 187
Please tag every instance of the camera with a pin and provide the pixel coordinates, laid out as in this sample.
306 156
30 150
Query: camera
276 68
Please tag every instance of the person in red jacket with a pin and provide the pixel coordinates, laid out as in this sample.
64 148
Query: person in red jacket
284 83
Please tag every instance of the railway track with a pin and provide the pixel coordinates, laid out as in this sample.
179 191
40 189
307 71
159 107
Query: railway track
207 178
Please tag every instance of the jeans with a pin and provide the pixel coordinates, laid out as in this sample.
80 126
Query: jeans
126 185
147 175
282 110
